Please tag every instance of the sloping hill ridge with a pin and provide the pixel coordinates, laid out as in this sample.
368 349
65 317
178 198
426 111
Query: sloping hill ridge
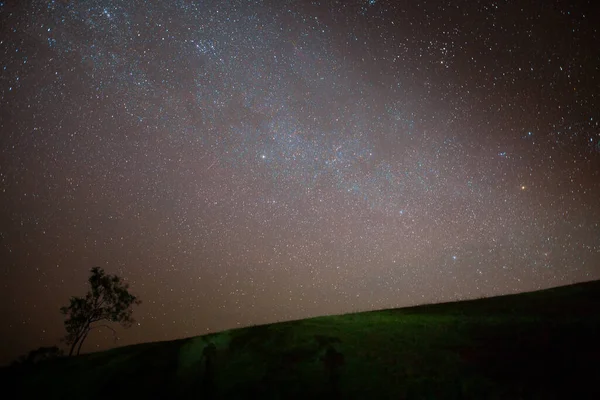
538 345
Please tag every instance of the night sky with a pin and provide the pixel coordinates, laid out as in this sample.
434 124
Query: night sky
247 162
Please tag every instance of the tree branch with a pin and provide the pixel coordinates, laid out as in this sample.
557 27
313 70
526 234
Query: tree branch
106 326
82 340
101 302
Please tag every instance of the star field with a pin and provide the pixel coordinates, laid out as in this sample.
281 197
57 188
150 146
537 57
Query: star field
247 162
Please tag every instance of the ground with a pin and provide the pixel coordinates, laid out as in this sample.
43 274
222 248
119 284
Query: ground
540 345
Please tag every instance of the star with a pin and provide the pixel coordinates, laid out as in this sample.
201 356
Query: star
255 162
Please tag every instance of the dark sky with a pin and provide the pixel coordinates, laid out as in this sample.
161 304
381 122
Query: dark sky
246 162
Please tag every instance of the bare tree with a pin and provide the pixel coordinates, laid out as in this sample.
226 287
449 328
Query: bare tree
108 300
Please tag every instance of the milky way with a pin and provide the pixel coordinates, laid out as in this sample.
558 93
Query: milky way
246 162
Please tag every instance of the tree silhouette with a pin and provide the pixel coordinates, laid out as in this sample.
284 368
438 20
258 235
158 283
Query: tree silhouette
38 355
108 300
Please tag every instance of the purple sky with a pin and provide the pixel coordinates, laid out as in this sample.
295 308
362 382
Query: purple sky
246 162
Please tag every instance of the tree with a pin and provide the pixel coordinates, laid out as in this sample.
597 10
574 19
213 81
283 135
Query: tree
108 300
38 355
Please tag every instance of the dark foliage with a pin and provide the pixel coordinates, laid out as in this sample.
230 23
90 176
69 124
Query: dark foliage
39 355
108 300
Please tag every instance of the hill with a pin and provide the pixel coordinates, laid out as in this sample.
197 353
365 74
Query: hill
538 345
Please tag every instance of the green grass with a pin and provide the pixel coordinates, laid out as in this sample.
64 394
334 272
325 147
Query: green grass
539 345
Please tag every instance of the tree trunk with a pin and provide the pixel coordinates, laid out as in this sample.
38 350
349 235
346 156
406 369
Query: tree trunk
73 347
82 339
79 339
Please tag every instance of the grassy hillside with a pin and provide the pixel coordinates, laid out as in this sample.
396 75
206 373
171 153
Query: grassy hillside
540 345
